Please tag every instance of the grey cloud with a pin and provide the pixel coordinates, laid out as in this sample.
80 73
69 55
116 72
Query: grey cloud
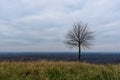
28 24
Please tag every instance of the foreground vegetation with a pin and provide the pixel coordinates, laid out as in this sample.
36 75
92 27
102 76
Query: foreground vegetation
45 70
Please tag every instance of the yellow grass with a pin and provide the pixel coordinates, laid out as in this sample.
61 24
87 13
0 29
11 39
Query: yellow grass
45 70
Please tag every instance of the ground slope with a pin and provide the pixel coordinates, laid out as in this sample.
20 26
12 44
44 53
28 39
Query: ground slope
45 70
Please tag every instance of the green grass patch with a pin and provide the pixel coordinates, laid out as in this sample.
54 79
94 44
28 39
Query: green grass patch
45 70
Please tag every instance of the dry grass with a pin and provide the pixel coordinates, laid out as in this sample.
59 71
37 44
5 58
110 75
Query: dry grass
45 70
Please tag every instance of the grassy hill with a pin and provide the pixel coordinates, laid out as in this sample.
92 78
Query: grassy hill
45 70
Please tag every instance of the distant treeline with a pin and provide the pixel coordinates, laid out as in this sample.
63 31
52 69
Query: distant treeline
86 57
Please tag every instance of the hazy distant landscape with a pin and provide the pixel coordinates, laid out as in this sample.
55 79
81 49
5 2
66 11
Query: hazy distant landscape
90 57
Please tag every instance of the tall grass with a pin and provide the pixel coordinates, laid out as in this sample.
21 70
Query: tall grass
45 70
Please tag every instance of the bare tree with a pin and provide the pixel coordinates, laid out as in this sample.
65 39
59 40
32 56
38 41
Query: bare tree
79 37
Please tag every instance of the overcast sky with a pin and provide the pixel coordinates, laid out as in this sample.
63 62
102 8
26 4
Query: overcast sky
41 25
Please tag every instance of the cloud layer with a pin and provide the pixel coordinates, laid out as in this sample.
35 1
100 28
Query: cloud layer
40 25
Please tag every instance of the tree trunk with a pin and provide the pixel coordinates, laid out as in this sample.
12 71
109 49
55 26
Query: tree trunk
79 53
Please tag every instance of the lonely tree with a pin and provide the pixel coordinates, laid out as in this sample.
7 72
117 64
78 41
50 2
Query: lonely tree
79 37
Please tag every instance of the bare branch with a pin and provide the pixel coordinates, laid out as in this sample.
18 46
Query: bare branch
79 36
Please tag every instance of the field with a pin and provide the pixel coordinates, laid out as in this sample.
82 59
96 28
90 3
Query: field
47 70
